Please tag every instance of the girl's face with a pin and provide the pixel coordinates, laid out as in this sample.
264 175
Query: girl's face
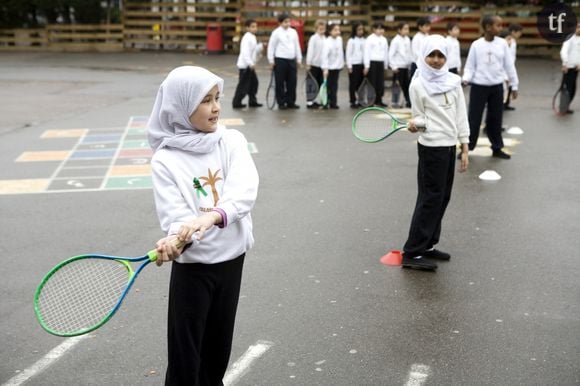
253 28
335 32
454 31
205 117
404 31
436 59
379 31
321 29
425 28
285 23
360 30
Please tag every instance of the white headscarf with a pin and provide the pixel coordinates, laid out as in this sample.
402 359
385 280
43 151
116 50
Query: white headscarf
178 97
435 81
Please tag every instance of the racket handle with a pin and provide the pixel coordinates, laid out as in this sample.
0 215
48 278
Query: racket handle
152 254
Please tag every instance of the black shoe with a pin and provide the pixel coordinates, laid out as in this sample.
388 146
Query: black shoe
256 104
295 107
335 107
240 106
282 107
418 262
508 108
437 255
570 111
380 104
501 154
313 106
353 106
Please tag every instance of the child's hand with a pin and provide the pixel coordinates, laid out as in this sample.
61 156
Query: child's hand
167 250
514 94
565 69
412 127
464 159
198 225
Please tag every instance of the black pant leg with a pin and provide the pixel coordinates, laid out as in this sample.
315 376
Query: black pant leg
280 70
446 195
412 70
403 77
253 88
291 82
243 86
377 79
434 192
569 80
494 118
477 101
333 87
355 79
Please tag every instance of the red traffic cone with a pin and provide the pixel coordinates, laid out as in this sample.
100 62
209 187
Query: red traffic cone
392 258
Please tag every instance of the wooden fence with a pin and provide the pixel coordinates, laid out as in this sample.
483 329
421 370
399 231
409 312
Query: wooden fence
183 25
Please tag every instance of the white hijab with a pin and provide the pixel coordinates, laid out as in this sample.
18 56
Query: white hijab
435 81
178 97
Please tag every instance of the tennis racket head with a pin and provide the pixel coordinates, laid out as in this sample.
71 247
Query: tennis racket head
271 93
561 101
374 124
366 94
310 87
82 293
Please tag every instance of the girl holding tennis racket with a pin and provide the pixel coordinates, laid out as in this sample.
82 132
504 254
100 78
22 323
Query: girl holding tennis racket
205 184
438 106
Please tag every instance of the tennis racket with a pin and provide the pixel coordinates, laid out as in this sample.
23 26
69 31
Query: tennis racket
271 92
310 87
83 293
366 94
323 94
561 101
374 124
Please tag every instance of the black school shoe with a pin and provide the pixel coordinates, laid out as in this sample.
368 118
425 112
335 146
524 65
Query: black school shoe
437 255
256 104
418 262
501 154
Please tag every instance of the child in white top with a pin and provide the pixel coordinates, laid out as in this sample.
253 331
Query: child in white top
250 52
376 59
514 33
332 62
285 55
423 27
439 110
400 60
454 60
205 184
355 61
570 55
314 56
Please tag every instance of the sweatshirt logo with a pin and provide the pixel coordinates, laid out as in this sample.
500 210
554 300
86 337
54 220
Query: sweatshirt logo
211 180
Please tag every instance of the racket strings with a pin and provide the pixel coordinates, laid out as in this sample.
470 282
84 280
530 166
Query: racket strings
82 293
373 125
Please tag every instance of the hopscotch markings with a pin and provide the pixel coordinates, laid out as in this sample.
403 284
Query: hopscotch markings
243 364
42 156
68 133
24 186
46 361
418 375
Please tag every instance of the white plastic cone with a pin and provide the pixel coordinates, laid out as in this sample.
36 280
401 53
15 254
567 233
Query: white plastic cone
515 130
489 175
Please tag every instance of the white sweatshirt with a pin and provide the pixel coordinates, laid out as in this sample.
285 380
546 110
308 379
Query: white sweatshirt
454 53
400 54
417 44
314 52
232 180
488 63
284 44
355 48
376 50
250 51
333 54
570 52
444 116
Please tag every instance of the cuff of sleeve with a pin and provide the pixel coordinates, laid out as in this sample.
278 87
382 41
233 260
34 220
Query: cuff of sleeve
224 217
420 122
464 140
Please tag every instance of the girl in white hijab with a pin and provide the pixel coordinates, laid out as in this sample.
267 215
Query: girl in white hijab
438 107
205 184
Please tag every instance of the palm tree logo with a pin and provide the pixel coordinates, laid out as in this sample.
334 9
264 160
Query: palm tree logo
211 180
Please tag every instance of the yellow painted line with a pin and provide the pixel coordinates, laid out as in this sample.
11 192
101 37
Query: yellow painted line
130 170
68 133
232 122
36 156
23 186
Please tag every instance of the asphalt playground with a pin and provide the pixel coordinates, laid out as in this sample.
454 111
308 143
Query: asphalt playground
317 306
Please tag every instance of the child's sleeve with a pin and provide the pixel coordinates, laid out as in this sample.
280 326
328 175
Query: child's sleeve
297 47
325 53
241 182
247 51
461 117
510 68
172 209
310 51
349 53
393 52
272 43
417 106
367 53
386 58
564 53
469 68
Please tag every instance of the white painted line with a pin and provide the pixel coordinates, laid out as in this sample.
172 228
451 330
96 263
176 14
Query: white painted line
418 375
45 362
242 365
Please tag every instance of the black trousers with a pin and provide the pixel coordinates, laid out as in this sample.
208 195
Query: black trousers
569 79
376 76
317 74
247 85
402 78
285 76
435 174
412 70
454 70
332 83
355 79
203 299
479 98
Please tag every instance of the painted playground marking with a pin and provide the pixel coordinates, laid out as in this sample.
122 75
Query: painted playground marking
116 158
52 356
243 364
418 375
